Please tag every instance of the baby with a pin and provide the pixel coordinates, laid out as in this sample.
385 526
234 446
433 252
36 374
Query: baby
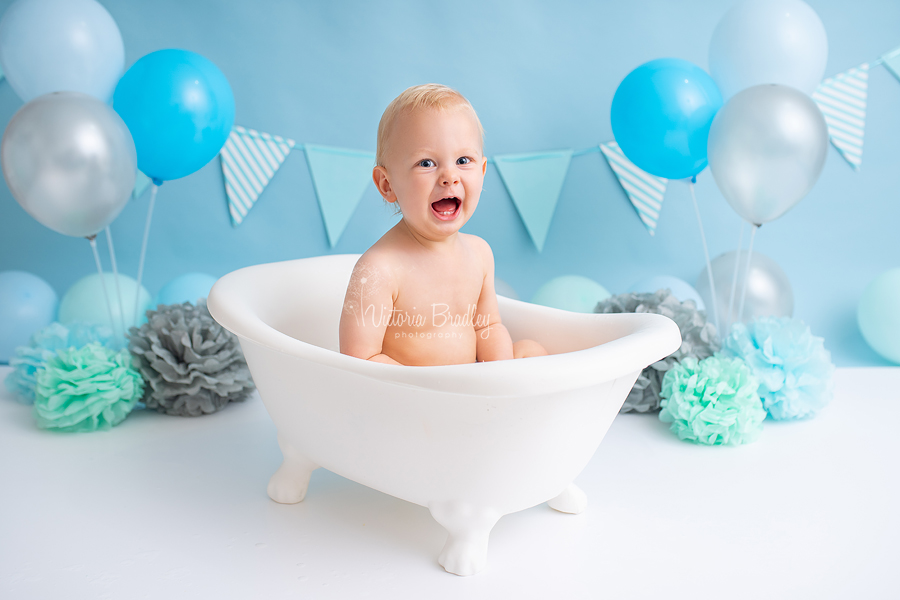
424 293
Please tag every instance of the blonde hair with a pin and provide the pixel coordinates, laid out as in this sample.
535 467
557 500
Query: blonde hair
429 95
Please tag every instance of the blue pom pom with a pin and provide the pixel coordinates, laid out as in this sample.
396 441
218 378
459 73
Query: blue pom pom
44 345
795 372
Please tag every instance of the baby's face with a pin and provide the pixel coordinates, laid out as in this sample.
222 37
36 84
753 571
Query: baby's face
434 169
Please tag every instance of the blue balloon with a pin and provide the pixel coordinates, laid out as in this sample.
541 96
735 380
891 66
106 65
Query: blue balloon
180 111
571 292
679 288
661 114
186 288
27 304
878 317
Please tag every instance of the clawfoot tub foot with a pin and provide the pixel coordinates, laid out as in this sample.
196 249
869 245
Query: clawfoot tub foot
572 501
288 484
469 527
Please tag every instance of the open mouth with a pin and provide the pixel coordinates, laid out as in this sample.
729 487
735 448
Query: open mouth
446 208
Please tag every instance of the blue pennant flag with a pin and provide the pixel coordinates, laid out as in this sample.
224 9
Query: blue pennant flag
340 177
891 60
645 191
249 161
842 100
534 182
141 183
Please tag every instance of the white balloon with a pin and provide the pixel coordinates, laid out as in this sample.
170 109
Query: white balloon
768 41
767 147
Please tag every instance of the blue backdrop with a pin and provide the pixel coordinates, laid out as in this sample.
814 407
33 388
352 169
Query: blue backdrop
541 76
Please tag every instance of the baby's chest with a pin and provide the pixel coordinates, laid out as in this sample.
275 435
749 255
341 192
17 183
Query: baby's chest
438 290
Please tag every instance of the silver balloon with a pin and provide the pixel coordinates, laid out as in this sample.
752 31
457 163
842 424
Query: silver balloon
769 291
767 146
70 161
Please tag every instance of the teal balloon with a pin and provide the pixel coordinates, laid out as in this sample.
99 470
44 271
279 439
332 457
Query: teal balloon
879 315
186 288
680 289
661 114
27 304
179 108
85 302
571 292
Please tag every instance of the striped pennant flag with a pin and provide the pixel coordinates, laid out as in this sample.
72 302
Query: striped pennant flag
249 161
645 191
842 99
534 182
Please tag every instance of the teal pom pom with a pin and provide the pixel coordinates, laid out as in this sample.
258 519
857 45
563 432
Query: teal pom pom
43 346
713 401
795 372
86 389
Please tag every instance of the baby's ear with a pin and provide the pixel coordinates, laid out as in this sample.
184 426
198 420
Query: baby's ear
483 165
383 185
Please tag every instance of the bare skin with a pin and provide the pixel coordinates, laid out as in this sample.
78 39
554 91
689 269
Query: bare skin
424 293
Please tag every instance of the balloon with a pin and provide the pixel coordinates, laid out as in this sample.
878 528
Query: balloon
86 302
180 110
878 317
61 45
661 115
571 292
186 288
767 147
769 291
27 304
768 41
69 161
680 289
504 289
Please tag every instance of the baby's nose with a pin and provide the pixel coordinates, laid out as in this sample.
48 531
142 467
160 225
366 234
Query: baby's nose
450 177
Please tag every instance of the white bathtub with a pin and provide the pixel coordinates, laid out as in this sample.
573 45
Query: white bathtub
470 442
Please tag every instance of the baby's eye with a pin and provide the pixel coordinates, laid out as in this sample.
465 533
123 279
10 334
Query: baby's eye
463 160
427 162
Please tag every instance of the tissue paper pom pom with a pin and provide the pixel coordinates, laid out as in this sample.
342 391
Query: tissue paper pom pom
86 389
193 366
795 373
698 340
712 401
43 346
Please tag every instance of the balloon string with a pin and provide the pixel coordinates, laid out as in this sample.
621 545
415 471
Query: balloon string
137 291
93 241
712 285
740 314
734 278
115 268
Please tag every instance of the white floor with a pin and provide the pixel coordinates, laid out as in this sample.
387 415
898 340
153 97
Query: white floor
169 507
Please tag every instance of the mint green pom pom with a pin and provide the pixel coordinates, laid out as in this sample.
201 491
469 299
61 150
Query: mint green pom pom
86 389
713 401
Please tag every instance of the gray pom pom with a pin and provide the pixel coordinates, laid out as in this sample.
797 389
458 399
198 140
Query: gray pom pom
191 364
699 340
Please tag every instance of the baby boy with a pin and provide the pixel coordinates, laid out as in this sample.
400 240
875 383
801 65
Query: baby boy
424 293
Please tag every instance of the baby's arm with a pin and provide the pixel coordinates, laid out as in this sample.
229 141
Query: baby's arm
492 340
367 310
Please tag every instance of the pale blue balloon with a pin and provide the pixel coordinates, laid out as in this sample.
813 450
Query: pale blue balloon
85 302
879 317
571 292
186 288
504 289
61 45
27 304
680 288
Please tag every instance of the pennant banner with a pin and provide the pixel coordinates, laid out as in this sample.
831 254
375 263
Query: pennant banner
249 161
891 61
340 177
842 99
645 191
534 182
141 183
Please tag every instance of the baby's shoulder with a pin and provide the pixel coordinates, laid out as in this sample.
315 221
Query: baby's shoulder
480 246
